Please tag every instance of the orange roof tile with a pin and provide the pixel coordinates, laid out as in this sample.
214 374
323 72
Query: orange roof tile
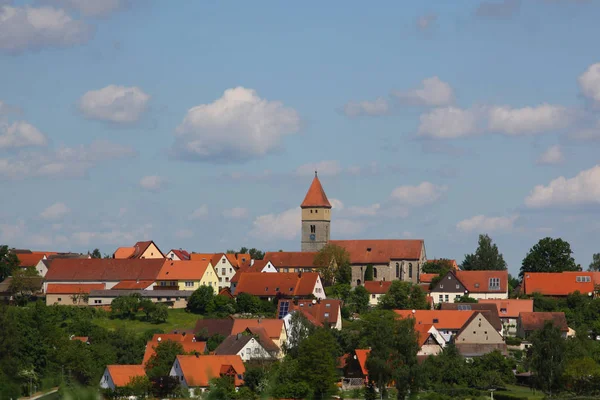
531 321
441 319
291 259
381 251
319 313
103 269
123 374
272 283
557 283
427 278
131 284
377 287
73 288
232 259
273 327
478 281
33 258
510 308
316 197
181 254
198 371
361 357
201 256
188 342
124 252
423 334
182 270
83 339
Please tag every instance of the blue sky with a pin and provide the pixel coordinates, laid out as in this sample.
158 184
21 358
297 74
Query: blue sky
200 125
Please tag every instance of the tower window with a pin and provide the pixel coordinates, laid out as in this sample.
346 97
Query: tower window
397 270
410 270
374 272
313 229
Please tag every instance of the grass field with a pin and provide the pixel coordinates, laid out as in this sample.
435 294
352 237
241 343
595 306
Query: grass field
524 391
178 319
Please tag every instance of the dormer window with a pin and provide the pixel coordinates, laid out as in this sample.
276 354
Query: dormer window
494 284
368 249
435 321
503 311
583 279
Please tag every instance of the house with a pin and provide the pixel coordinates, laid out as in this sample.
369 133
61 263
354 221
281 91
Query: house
475 284
117 376
188 343
224 269
447 322
427 278
376 289
355 370
509 310
478 337
293 261
43 265
559 284
318 312
431 342
248 346
396 259
74 294
274 328
284 284
170 298
34 287
178 255
530 322
195 372
252 266
28 258
186 275
146 249
490 311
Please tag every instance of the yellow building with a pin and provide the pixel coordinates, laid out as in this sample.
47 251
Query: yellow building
187 275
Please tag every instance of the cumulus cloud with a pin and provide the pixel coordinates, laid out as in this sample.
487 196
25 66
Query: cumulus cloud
498 9
589 82
236 213
152 183
582 189
236 127
434 93
324 168
528 120
553 155
90 8
422 194
55 212
448 123
65 162
482 223
35 28
285 225
115 104
367 108
424 22
21 134
336 204
199 212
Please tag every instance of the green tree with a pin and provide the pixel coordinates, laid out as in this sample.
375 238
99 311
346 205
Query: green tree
317 360
300 330
247 303
334 264
582 375
595 264
486 257
549 255
441 266
8 262
24 283
223 305
359 300
466 299
512 283
547 357
159 314
96 253
163 358
369 273
404 296
201 301
214 341
125 307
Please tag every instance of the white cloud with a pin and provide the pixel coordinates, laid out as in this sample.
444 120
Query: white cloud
589 82
324 168
528 120
90 8
448 123
368 211
483 224
34 28
151 183
65 162
434 93
365 108
422 194
235 213
553 155
336 204
20 134
199 212
285 225
424 22
582 189
236 127
55 212
116 104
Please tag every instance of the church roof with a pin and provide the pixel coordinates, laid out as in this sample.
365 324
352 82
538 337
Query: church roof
316 197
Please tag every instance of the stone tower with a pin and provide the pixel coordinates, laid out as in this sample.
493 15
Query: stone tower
316 217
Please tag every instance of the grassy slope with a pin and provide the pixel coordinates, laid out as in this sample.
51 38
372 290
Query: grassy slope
178 319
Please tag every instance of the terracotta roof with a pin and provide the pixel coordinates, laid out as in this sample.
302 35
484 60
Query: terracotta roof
188 342
212 327
199 370
381 251
183 270
316 312
441 319
272 326
225 292
201 256
361 357
557 284
31 259
423 333
316 197
181 254
291 259
103 269
510 308
131 284
122 374
427 278
124 252
141 247
478 281
532 321
490 310
270 284
216 259
377 287
83 339
73 288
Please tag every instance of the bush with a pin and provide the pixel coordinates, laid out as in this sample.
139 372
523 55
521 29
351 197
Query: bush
513 341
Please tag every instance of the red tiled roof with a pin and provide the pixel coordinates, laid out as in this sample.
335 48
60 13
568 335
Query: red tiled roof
510 308
73 288
83 339
531 321
270 284
423 334
272 326
33 258
198 371
123 374
182 270
131 284
427 278
316 312
441 319
188 343
216 258
377 287
103 269
478 281
291 259
557 283
181 254
316 197
124 252
361 357
225 292
381 251
141 247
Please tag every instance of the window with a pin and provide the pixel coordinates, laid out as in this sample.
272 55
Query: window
230 270
410 270
372 296
435 321
256 351
326 315
447 298
441 298
59 299
313 229
503 311
220 279
159 299
226 279
316 211
457 286
327 305
397 270
267 289
223 271
189 284
583 279
286 270
457 297
163 283
311 211
441 285
277 289
494 284
374 272
97 301
223 261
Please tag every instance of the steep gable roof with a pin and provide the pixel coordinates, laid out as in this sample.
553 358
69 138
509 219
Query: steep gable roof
233 344
478 281
381 251
75 288
124 252
427 278
181 254
263 338
141 247
423 333
532 321
123 374
272 327
188 342
558 283
490 311
377 287
291 259
103 269
271 284
199 370
183 270
441 319
315 197
361 357
475 315
510 308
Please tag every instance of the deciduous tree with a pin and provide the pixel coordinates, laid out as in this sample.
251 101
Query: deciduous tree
317 360
163 358
404 296
486 257
549 255
201 301
595 264
334 264
547 357
8 262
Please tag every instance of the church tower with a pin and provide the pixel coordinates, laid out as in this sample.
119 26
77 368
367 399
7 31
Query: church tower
316 217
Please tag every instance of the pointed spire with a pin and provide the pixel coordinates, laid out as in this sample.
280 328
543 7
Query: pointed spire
316 197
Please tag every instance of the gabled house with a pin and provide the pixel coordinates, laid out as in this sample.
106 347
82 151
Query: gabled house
28 258
188 343
253 266
178 255
431 342
509 310
186 275
475 284
274 328
147 249
447 322
293 261
355 370
478 337
489 310
224 269
270 285
117 376
376 289
560 284
248 346
74 294
530 322
195 372
327 312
